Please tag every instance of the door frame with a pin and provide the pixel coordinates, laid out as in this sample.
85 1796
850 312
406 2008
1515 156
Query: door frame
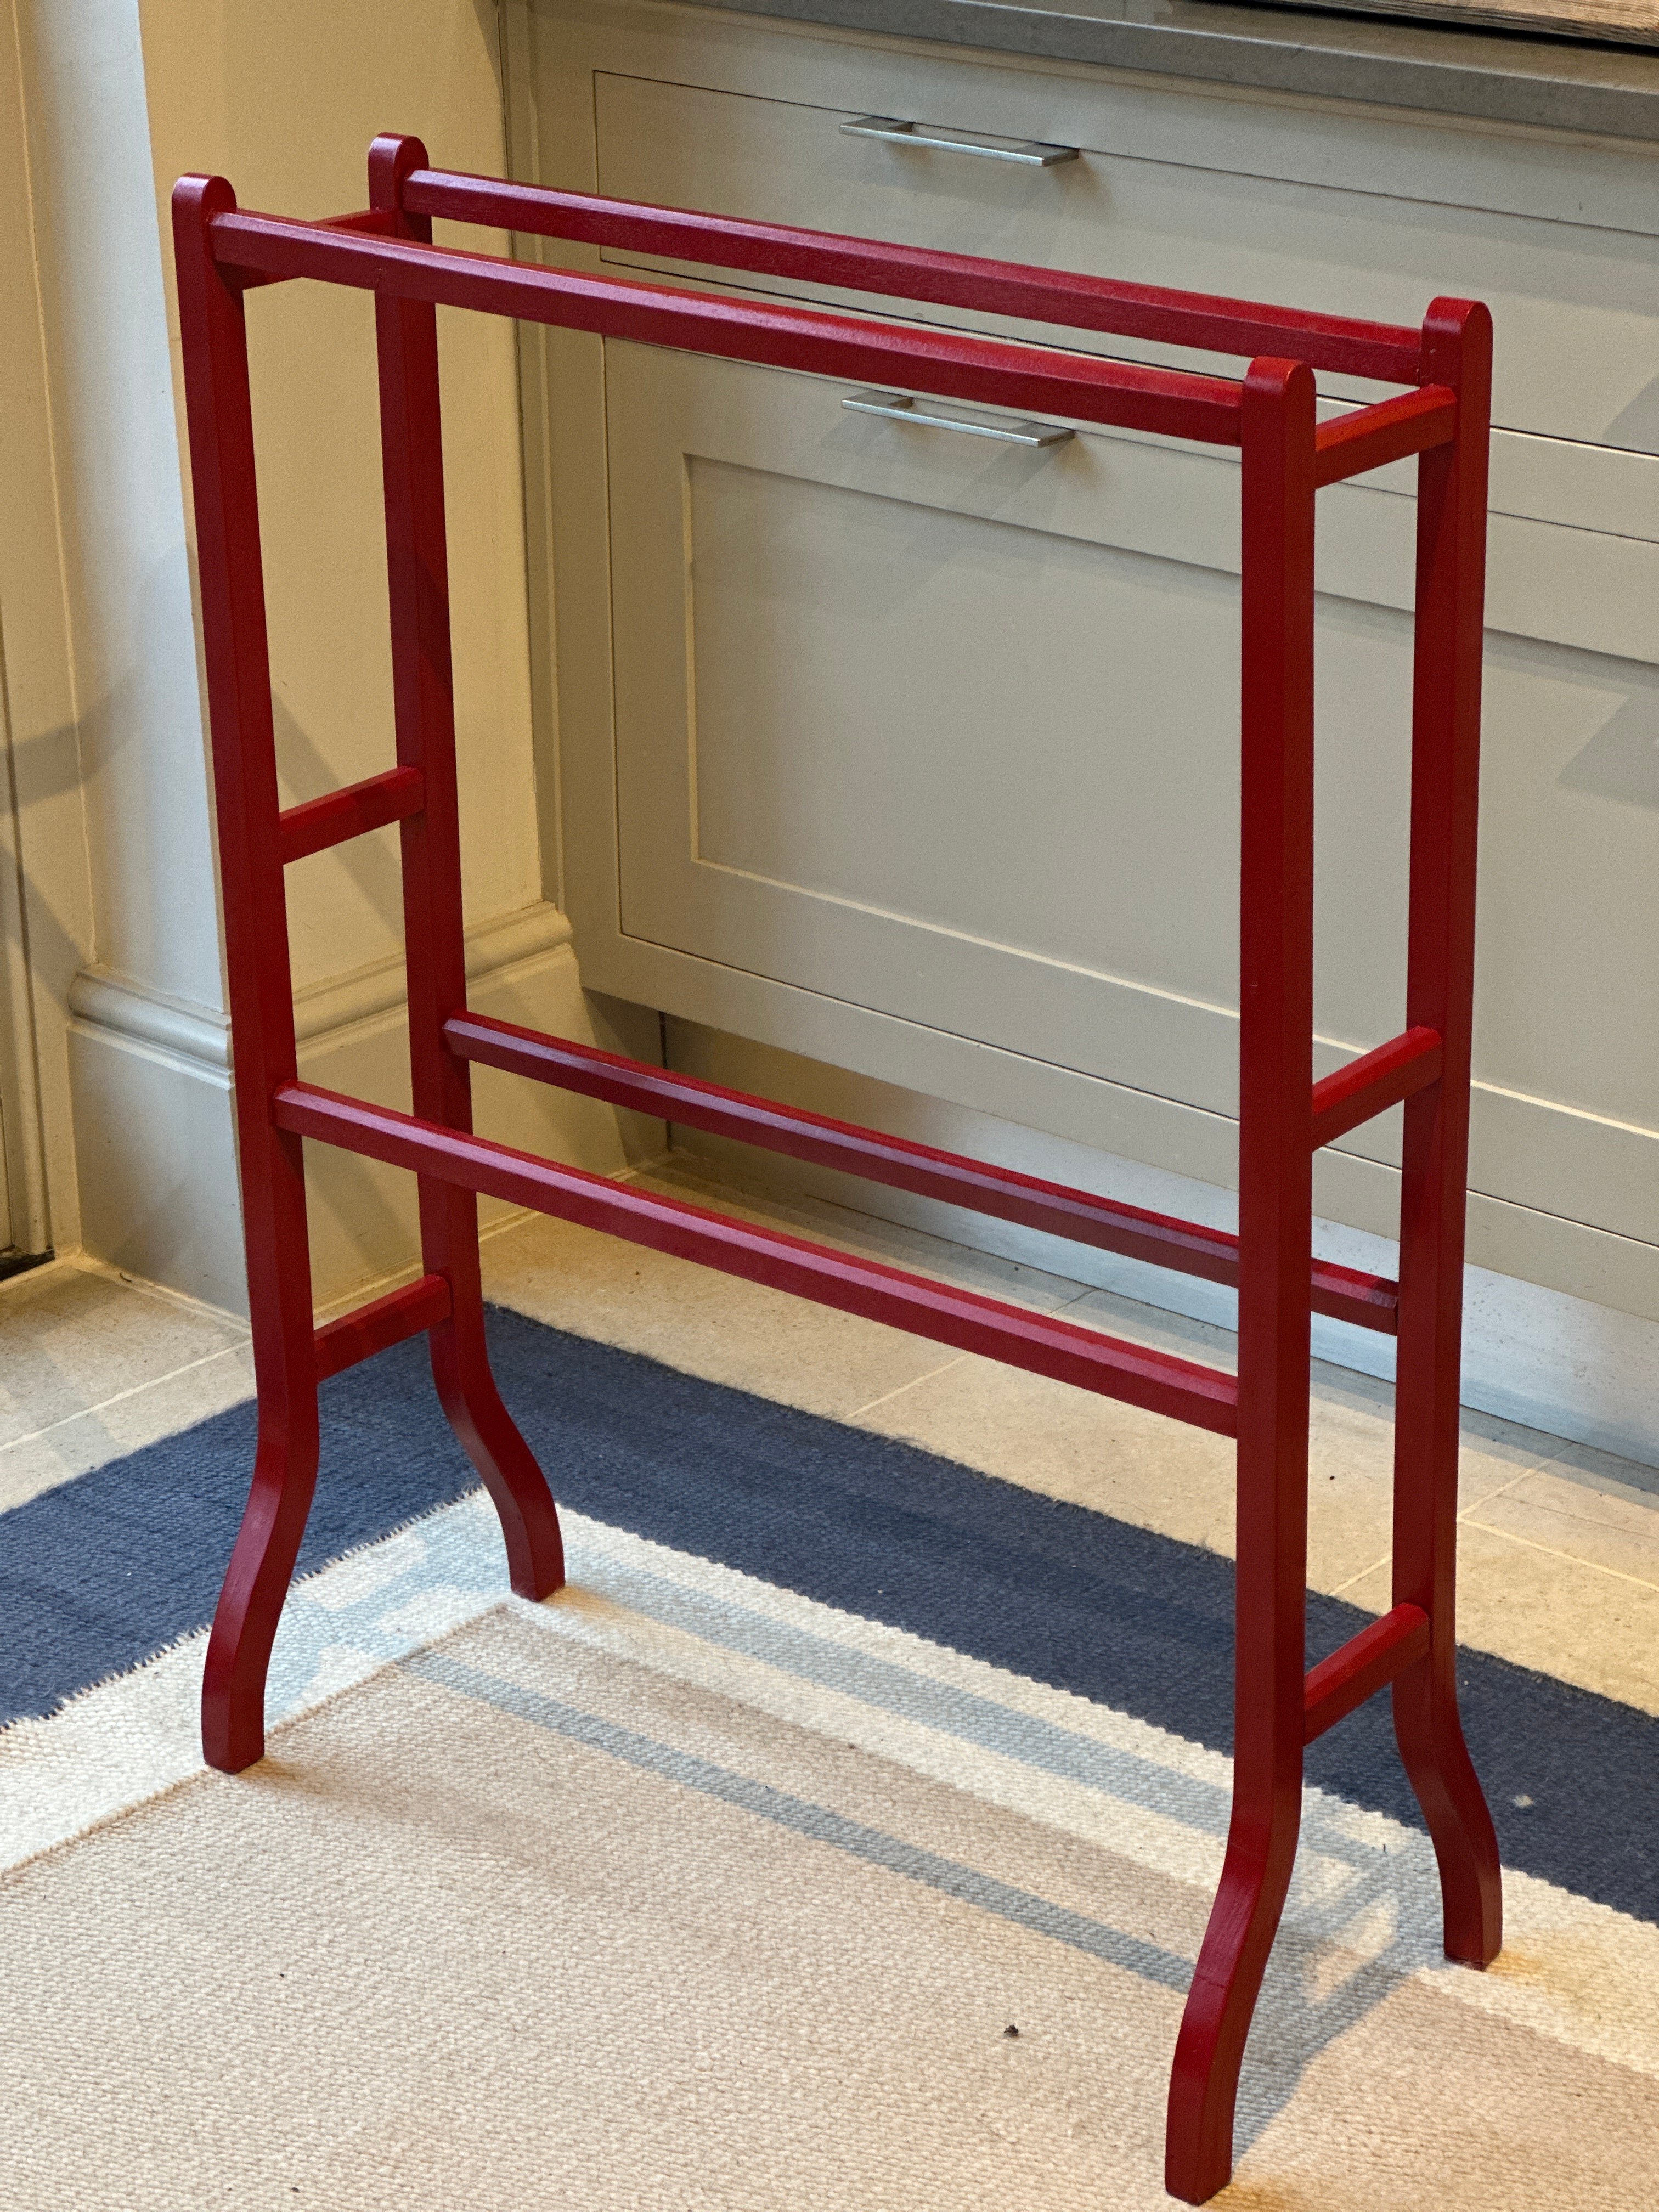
45 919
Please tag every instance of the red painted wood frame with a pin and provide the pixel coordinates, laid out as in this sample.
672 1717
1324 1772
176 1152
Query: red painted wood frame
1283 1116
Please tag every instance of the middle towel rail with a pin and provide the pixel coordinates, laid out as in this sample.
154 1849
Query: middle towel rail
1186 1247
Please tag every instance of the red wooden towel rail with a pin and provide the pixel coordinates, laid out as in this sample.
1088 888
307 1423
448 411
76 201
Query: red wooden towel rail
1441 417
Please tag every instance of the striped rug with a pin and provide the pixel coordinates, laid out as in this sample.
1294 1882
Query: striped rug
843 1835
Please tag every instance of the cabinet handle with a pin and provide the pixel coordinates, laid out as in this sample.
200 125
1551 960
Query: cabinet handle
896 408
1029 153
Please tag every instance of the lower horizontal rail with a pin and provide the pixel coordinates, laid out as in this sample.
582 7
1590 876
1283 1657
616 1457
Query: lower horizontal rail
1205 1397
1343 1293
1362 1667
376 1327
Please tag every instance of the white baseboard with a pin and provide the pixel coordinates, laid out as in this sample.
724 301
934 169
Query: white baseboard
155 1147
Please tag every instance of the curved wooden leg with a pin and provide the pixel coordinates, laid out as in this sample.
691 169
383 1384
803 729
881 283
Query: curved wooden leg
1430 1733
251 863
466 1389
1210 2049
255 1586
1451 525
1427 1725
1275 1219
417 576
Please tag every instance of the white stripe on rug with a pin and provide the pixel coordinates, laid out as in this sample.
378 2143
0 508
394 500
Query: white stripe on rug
1573 1970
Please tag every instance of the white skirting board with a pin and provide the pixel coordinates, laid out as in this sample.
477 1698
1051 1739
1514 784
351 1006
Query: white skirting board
1532 1352
153 1112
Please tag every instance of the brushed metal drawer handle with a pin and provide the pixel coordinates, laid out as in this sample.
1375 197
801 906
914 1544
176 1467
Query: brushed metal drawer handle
899 409
1029 153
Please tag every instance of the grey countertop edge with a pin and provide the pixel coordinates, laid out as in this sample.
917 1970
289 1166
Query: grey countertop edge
1537 82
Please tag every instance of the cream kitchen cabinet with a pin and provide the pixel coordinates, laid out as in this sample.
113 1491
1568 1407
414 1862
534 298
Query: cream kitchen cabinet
915 752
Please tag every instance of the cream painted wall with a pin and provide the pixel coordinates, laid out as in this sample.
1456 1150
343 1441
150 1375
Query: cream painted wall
284 102
121 96
130 593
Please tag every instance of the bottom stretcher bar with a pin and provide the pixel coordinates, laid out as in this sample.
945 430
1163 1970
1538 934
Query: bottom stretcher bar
1205 1397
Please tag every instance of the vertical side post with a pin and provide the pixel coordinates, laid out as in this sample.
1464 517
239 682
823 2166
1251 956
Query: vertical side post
406 335
1275 1247
237 655
1451 534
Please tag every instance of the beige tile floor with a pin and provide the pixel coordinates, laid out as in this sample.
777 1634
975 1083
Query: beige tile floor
93 1364
1560 1545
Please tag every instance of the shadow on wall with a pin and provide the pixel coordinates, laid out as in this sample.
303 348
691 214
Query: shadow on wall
1637 425
1621 761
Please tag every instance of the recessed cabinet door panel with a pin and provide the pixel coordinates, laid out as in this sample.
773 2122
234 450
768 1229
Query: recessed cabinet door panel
1576 305
948 731
951 731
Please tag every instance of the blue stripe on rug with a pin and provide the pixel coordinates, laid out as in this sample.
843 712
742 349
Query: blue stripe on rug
101 1573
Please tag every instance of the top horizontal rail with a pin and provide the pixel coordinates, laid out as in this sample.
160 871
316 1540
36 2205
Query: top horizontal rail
1389 352
952 364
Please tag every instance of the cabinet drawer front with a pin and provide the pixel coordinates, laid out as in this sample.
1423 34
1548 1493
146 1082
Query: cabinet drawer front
1577 307
950 733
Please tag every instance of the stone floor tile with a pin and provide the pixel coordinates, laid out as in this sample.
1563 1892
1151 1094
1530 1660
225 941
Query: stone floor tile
704 1323
75 1339
1543 1609
81 1442
891 1242
1069 1444
1615 1529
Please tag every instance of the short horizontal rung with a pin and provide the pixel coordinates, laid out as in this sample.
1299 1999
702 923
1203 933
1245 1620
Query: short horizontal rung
1372 437
1362 1667
352 812
1368 1086
1205 1397
1160 1239
377 1327
365 222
